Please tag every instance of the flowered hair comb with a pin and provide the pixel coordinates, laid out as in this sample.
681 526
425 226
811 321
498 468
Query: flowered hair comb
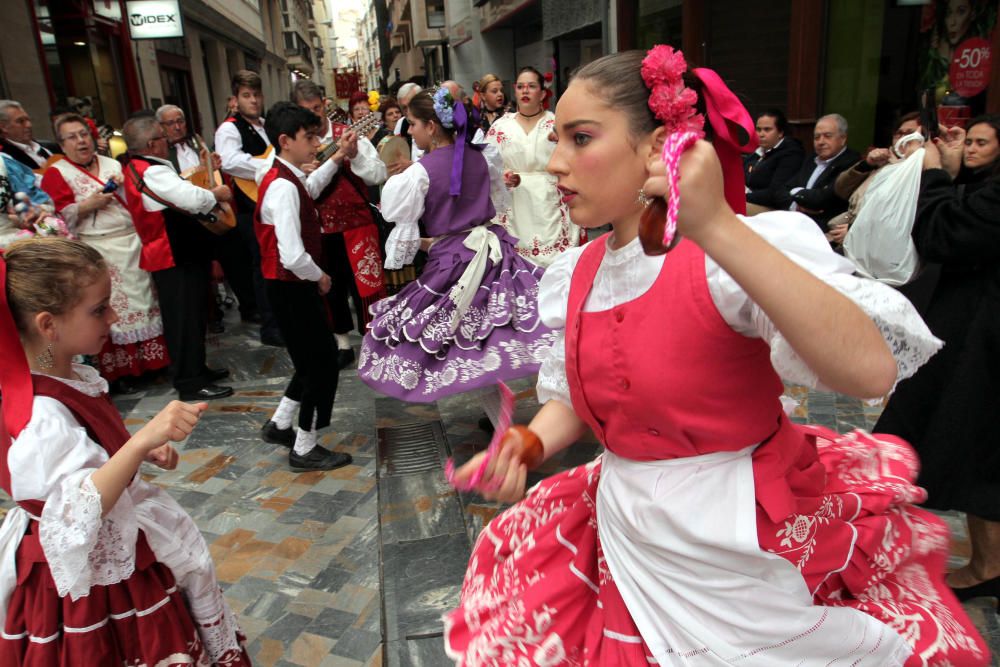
673 103
444 107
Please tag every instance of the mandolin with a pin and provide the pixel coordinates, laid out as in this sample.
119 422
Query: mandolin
204 176
361 128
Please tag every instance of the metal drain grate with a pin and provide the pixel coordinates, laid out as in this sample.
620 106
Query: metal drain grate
410 448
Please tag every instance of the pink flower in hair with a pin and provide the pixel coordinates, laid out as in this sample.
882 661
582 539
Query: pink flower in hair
670 100
662 64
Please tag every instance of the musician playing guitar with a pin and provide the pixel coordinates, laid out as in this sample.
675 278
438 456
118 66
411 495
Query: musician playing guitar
351 250
245 150
187 152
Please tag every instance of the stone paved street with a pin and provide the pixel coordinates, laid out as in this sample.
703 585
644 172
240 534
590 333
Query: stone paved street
298 555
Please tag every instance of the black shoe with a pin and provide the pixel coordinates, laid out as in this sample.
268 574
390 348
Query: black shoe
206 393
984 589
125 386
345 358
251 318
272 338
278 436
216 327
215 374
318 459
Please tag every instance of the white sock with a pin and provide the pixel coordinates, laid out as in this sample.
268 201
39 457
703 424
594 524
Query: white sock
282 417
343 341
305 441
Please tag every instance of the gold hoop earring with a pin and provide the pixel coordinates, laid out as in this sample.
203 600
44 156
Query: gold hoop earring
45 359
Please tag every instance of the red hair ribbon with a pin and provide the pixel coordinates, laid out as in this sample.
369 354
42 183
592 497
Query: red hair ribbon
15 379
674 104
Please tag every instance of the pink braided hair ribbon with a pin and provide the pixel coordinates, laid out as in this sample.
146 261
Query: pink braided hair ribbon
500 429
673 148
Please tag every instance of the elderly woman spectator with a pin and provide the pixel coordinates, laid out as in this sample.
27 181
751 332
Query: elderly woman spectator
536 215
86 190
946 410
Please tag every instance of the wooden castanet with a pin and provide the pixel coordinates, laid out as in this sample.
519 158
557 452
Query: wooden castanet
652 224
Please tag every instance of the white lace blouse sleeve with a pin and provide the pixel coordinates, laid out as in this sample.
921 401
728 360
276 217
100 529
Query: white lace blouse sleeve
403 204
499 194
553 299
799 238
52 460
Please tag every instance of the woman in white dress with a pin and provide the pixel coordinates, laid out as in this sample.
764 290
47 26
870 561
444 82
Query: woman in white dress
536 215
100 219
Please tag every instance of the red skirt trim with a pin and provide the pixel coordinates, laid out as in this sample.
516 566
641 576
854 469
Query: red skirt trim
132 359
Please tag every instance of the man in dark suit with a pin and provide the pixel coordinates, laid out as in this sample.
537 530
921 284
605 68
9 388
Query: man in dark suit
776 160
811 190
17 138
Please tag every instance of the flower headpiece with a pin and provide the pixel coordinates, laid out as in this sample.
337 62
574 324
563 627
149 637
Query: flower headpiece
669 99
444 107
373 100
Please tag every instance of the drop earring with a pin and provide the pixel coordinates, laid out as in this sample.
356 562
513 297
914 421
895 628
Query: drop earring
45 359
643 199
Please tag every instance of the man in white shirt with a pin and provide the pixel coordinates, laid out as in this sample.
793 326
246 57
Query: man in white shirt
17 137
176 250
229 249
243 146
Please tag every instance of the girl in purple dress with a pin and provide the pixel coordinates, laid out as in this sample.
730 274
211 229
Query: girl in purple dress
471 319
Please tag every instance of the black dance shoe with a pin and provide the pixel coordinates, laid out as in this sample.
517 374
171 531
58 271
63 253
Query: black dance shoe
216 327
345 358
317 459
277 436
206 393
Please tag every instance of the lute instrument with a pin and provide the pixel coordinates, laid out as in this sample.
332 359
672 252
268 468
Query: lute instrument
222 218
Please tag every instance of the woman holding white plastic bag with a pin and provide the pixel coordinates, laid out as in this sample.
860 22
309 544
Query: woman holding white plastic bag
946 410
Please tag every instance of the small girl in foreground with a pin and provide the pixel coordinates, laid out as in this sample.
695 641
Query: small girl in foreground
97 566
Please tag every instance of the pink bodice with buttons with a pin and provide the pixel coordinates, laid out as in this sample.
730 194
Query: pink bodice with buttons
664 376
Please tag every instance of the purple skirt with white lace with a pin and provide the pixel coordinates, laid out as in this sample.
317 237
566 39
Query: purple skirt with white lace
413 351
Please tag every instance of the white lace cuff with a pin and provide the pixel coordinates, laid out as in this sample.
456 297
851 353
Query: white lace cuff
904 331
402 245
552 382
82 549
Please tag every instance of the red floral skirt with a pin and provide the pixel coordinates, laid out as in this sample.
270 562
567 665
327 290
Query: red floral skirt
132 359
143 620
538 591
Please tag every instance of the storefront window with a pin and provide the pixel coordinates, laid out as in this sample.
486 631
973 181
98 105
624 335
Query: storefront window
658 22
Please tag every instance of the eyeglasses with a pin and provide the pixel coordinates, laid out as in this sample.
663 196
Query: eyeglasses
79 136
179 121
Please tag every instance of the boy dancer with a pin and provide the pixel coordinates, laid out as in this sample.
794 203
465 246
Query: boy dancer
288 230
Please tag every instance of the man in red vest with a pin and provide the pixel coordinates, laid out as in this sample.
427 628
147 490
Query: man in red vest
351 247
176 250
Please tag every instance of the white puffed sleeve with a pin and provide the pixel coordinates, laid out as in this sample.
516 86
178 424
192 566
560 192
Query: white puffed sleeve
53 460
553 300
799 238
499 194
403 204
